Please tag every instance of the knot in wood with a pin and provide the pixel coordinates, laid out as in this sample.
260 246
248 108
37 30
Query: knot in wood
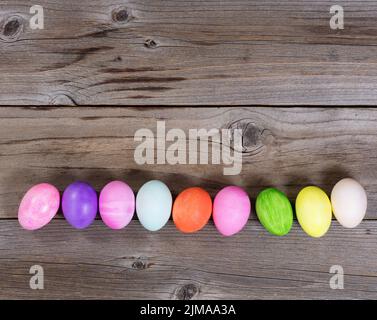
121 15
63 99
150 44
139 265
187 291
11 28
254 136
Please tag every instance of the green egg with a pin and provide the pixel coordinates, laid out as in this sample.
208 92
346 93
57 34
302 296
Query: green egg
274 211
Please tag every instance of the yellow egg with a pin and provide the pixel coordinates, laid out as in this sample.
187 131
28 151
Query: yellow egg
313 210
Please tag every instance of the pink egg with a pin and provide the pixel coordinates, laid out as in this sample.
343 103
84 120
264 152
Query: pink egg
38 206
231 210
116 204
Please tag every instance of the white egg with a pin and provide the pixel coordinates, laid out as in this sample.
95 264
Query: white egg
349 202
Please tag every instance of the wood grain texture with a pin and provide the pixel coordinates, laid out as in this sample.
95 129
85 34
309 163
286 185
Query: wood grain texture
137 264
284 147
182 52
104 53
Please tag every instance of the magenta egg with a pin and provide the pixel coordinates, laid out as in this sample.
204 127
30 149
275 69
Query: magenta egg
38 206
231 210
116 204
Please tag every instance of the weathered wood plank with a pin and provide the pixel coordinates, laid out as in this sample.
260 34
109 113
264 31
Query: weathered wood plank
136 264
182 52
283 147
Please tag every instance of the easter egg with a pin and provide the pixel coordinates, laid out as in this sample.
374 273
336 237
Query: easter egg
231 210
38 206
349 202
274 211
79 204
313 210
153 205
116 204
192 209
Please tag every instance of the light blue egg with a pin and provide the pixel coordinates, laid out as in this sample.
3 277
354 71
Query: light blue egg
153 205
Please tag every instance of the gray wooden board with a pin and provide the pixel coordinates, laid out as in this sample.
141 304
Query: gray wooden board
137 264
182 52
284 147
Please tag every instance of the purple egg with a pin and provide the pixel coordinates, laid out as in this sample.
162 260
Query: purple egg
79 204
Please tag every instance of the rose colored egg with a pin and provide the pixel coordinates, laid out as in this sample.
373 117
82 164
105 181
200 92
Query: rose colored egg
192 209
116 204
231 210
38 206
79 204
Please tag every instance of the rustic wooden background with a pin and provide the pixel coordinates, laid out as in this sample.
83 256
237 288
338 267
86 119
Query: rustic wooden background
73 95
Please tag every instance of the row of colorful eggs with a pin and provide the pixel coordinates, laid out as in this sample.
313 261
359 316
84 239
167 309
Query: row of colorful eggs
193 207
